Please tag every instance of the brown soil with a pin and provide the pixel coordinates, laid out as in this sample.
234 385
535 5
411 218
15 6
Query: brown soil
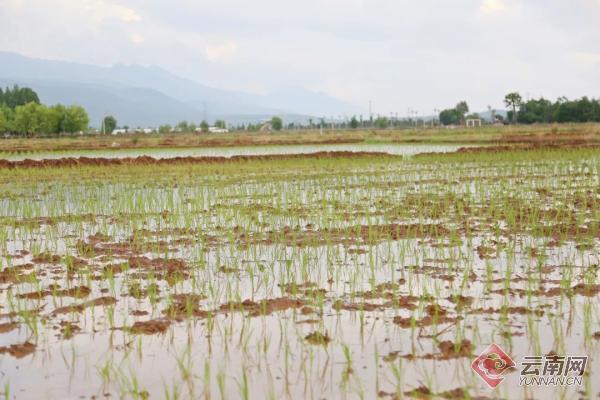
423 322
339 305
360 234
525 143
423 392
18 350
585 289
532 145
263 307
184 305
178 141
509 310
317 338
68 329
78 308
146 160
150 327
46 258
78 292
8 326
171 270
308 289
448 350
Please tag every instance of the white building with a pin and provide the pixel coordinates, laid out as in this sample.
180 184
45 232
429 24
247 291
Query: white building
214 129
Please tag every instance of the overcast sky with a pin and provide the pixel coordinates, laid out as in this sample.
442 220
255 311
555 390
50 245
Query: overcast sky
400 54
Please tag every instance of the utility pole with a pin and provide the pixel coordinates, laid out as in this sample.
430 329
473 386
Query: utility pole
436 113
104 123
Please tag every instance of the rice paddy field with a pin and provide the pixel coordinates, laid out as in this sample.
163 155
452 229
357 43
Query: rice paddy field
324 276
233 151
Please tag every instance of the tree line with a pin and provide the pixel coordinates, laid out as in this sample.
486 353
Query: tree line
545 111
22 113
531 111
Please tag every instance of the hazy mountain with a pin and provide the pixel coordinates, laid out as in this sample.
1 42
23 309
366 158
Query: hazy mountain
487 115
148 96
311 103
131 106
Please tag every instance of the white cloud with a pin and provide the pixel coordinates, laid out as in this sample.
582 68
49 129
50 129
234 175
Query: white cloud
221 52
124 13
492 6
136 38
587 58
397 53
103 9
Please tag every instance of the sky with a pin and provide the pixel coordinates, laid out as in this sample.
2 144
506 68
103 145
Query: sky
400 55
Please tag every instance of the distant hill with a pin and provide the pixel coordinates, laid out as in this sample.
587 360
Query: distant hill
149 96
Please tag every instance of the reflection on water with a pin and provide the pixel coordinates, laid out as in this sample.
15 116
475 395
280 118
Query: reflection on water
391 148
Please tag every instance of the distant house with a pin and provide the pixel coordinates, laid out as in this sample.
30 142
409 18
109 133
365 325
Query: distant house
122 131
214 129
473 122
266 126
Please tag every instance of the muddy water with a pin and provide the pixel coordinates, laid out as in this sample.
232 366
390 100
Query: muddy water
348 254
397 149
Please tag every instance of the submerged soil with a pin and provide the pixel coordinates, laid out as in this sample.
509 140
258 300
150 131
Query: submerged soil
150 161
345 279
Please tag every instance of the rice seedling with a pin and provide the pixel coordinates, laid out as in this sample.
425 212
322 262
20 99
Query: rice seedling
305 277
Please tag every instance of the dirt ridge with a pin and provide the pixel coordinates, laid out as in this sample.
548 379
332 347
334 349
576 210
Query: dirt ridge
147 160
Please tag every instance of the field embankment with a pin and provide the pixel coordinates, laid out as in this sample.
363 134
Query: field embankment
557 133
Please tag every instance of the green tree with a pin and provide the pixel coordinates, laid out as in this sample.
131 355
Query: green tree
204 126
109 124
76 119
513 100
18 97
449 117
192 127
221 124
462 108
54 119
353 123
563 110
381 122
183 126
536 111
276 123
5 118
164 128
30 119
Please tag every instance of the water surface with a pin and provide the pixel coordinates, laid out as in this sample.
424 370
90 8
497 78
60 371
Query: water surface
391 148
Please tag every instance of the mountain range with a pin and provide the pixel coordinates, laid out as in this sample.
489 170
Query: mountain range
149 96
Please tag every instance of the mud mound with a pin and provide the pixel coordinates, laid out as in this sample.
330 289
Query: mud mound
520 146
146 160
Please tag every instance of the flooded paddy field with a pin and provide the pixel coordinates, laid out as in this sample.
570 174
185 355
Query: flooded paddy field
232 151
345 276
